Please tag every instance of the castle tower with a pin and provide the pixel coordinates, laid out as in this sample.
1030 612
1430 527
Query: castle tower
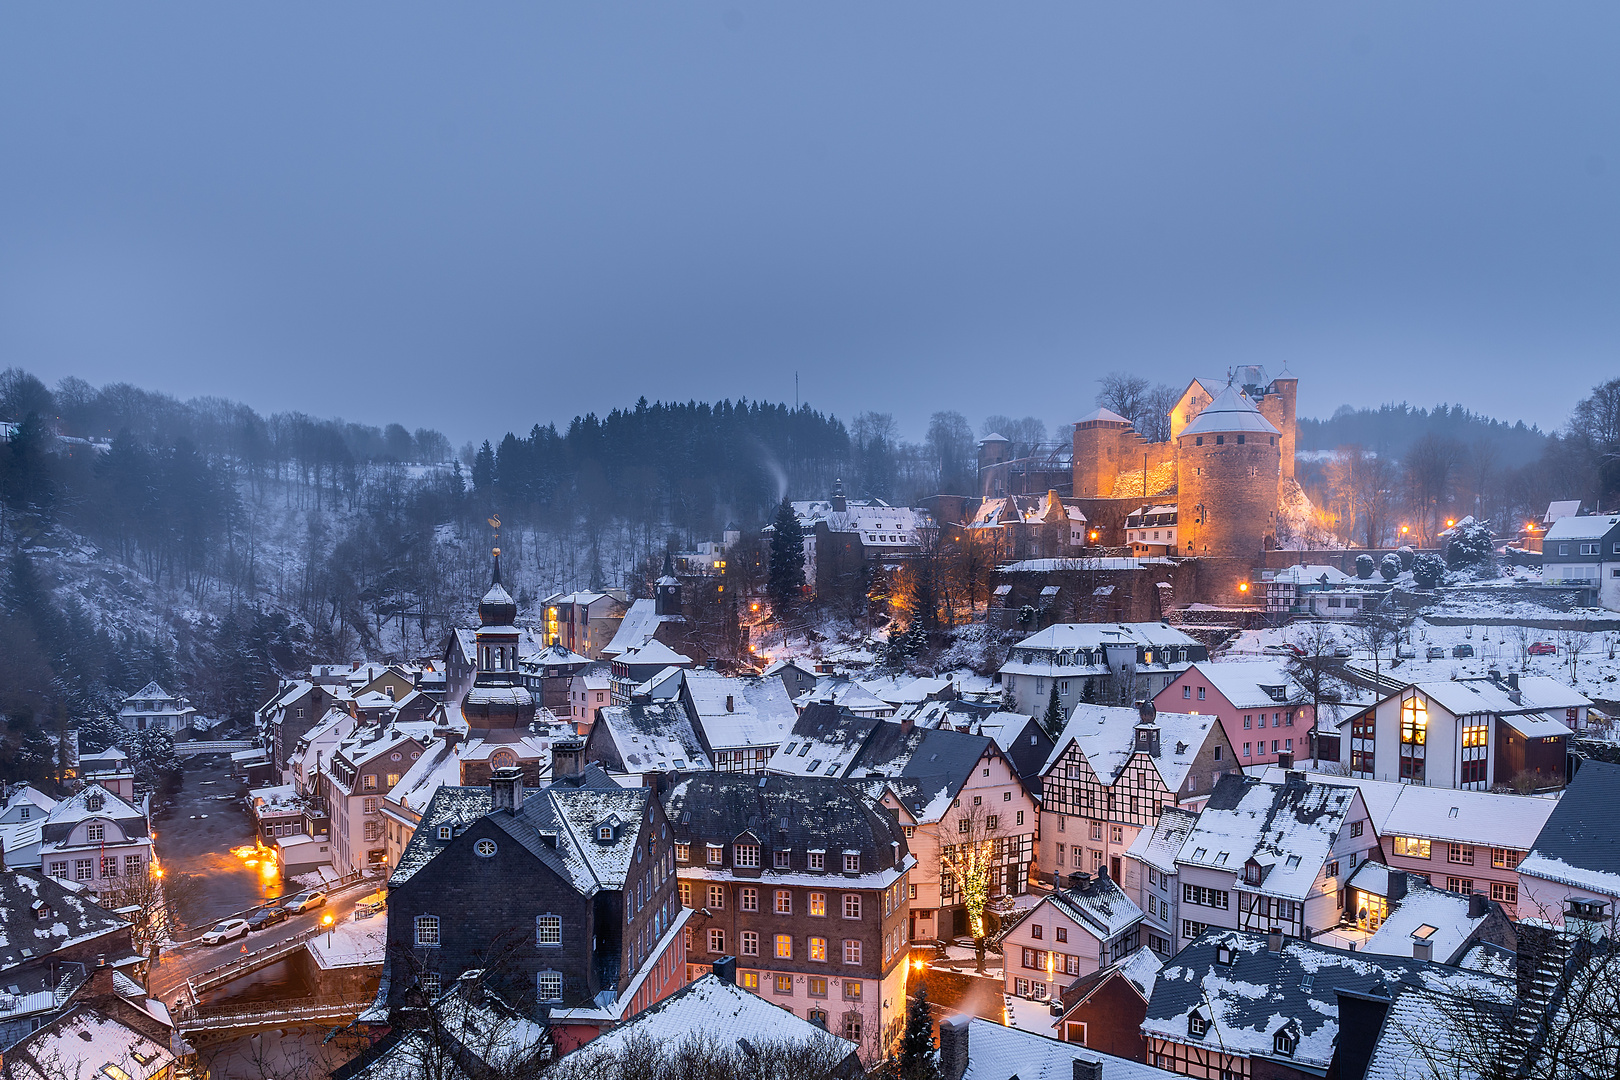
1228 466
667 590
1285 389
994 449
1098 440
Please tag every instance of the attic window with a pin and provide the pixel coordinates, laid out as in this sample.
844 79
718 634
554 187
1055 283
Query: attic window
1199 854
782 859
789 748
1286 1042
816 764
1293 861
1224 955
604 833
803 750
1220 860
1197 1024
94 801
444 832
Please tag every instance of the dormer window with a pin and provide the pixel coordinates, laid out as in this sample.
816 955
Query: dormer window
94 801
604 833
745 856
782 859
444 832
1251 873
1197 1024
1224 955
852 862
716 855
1286 1041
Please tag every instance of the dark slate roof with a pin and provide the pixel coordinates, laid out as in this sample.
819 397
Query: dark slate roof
652 738
556 824
1581 831
74 917
801 812
1248 1001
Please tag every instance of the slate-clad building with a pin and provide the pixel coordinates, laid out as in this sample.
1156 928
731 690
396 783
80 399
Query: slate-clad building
566 895
804 881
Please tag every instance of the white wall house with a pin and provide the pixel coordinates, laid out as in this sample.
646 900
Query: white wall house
152 707
1584 551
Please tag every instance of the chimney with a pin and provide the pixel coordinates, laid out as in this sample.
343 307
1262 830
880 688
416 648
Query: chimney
1274 941
1285 760
953 1047
1102 872
506 789
1295 776
567 758
1422 950
1478 906
1079 879
1513 680
1087 1070
731 705
1397 886
725 969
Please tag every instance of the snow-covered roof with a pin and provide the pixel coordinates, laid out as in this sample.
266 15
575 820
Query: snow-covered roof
1312 575
1062 636
740 712
997 1052
74 917
1420 1030
1230 411
1159 846
1561 508
1462 697
77 807
1248 684
1287 828
654 737
1106 735
1097 906
711 1009
1425 914
1579 844
846 694
1029 509
83 1042
1259 993
654 652
1107 416
1590 527
641 621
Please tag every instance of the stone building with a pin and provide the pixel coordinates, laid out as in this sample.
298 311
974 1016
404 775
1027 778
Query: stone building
804 881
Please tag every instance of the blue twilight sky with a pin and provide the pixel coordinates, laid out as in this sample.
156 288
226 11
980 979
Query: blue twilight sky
480 216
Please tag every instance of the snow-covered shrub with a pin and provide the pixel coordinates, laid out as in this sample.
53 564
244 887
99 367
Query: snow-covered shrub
1470 544
1390 567
1429 570
1364 567
1408 556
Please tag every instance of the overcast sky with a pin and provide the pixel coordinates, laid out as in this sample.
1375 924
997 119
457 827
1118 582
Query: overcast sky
480 216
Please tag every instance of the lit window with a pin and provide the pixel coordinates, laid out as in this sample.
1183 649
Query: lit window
818 949
784 902
818 904
784 946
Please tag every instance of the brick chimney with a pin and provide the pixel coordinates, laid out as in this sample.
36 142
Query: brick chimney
506 789
567 758
1088 1070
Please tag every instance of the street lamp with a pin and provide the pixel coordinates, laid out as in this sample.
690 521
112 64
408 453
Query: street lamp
326 920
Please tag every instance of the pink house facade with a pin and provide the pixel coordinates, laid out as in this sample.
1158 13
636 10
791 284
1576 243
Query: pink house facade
1259 707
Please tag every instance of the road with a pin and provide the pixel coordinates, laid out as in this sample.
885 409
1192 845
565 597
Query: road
181 962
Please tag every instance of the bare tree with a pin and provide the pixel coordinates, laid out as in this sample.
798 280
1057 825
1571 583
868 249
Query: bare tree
1376 634
1521 638
967 859
702 1056
1573 641
1314 668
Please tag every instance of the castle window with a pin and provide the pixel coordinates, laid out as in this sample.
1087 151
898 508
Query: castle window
1220 440
1199 441
1240 438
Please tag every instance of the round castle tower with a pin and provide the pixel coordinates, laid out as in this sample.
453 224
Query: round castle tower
1228 468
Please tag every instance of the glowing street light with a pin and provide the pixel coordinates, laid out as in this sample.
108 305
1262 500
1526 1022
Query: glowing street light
1450 522
1243 586
1405 529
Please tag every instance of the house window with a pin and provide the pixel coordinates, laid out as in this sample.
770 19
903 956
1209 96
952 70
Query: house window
784 947
368 782
748 898
992 822
1186 691
716 855
716 898
818 949
1461 854
1096 830
782 984
1414 734
816 986
818 859
1035 931
1201 693
95 832
1062 933
852 952
109 866
853 988
852 862
750 943
59 869
1246 750
1285 1042
1506 858
685 890
1504 894
429 982
444 832
783 859
548 930
82 869
1197 1024
818 904
852 905
1355 828
427 931
784 902
1411 847
717 940
745 855
1460 885
1116 833
132 865
683 852
548 986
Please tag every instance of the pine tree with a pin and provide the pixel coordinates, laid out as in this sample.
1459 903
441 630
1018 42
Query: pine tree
785 583
917 1057
1052 722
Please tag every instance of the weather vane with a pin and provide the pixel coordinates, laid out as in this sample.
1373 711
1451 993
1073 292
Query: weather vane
495 523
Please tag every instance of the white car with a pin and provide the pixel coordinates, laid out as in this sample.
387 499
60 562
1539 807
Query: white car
225 931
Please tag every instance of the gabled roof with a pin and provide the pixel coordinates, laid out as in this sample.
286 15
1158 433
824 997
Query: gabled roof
823 737
1107 416
84 1042
653 738
75 808
641 621
1249 1000
1244 682
996 1052
1097 906
1106 735
74 917
714 1010
1579 845
1591 527
1287 828
652 652
1428 914
1230 411
760 712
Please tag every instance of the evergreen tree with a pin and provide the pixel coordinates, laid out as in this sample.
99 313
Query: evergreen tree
918 1060
785 584
1052 722
483 470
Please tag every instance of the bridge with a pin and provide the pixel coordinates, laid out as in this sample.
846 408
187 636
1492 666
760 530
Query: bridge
212 746
237 1019
242 965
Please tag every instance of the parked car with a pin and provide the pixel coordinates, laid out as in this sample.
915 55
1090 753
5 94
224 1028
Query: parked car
1460 651
306 901
1405 652
1436 652
1342 652
366 911
267 916
225 931
1543 648
1285 649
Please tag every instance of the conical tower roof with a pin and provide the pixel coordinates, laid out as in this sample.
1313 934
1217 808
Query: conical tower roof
1230 411
497 608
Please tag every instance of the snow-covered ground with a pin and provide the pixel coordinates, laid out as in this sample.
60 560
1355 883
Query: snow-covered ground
1596 674
351 943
